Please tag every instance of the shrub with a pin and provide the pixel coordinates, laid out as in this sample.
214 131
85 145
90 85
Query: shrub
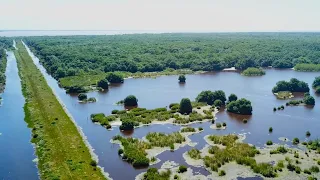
241 106
297 169
274 109
114 77
306 171
131 100
308 133
82 97
309 100
218 125
265 169
224 124
245 121
120 151
252 71
104 84
127 125
188 129
93 163
314 169
316 82
295 141
232 97
269 143
153 159
270 129
194 153
218 103
200 128
185 106
115 111
222 173
175 176
182 169
182 78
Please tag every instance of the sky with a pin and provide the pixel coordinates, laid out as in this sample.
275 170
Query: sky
161 15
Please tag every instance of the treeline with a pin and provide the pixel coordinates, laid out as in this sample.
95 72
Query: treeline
73 55
5 43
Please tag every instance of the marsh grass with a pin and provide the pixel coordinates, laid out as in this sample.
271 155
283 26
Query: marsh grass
242 153
154 174
134 150
188 129
194 153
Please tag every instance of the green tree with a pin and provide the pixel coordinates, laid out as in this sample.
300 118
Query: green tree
309 100
241 106
219 95
103 84
218 103
206 97
316 82
114 77
82 97
127 125
185 106
182 78
232 97
131 100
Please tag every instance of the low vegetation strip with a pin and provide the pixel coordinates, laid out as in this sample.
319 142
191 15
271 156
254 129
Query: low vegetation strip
60 148
3 65
307 67
251 71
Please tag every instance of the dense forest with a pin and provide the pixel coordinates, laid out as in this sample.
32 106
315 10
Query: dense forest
5 43
73 55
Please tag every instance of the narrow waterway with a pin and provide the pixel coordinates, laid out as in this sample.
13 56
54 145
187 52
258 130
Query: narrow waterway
16 150
160 92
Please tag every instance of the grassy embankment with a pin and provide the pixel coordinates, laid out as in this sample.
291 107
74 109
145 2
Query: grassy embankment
3 65
60 148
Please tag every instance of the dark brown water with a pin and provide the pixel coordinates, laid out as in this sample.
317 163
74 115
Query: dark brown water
160 92
16 151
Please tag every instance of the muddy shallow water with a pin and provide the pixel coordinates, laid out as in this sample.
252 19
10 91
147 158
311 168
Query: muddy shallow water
160 92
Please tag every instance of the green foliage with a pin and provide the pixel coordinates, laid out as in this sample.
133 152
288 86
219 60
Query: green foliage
314 169
222 173
130 100
114 77
82 97
295 141
182 169
242 153
182 78
269 143
218 125
295 102
200 128
241 106
308 133
294 85
316 82
164 140
153 174
270 129
232 97
309 100
104 84
3 65
127 125
209 97
318 90
194 153
307 67
279 150
188 129
218 103
185 106
251 71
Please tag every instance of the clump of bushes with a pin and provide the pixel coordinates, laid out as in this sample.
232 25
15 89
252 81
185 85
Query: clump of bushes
210 97
152 173
222 173
270 129
194 153
241 106
188 129
200 128
295 141
294 85
218 125
104 84
182 169
185 106
308 133
114 77
279 150
252 71
244 121
269 143
82 97
182 78
128 125
130 100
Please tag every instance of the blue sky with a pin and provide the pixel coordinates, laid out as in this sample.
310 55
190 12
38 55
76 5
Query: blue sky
161 15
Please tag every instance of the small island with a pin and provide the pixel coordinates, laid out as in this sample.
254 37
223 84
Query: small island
284 89
182 79
316 84
83 98
252 71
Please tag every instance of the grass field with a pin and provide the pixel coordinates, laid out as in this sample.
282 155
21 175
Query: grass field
61 151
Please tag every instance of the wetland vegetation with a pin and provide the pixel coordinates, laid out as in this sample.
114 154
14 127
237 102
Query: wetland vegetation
251 71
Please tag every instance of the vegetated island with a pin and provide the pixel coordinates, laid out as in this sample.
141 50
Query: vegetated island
60 148
140 153
252 71
284 89
316 84
87 59
228 156
307 100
